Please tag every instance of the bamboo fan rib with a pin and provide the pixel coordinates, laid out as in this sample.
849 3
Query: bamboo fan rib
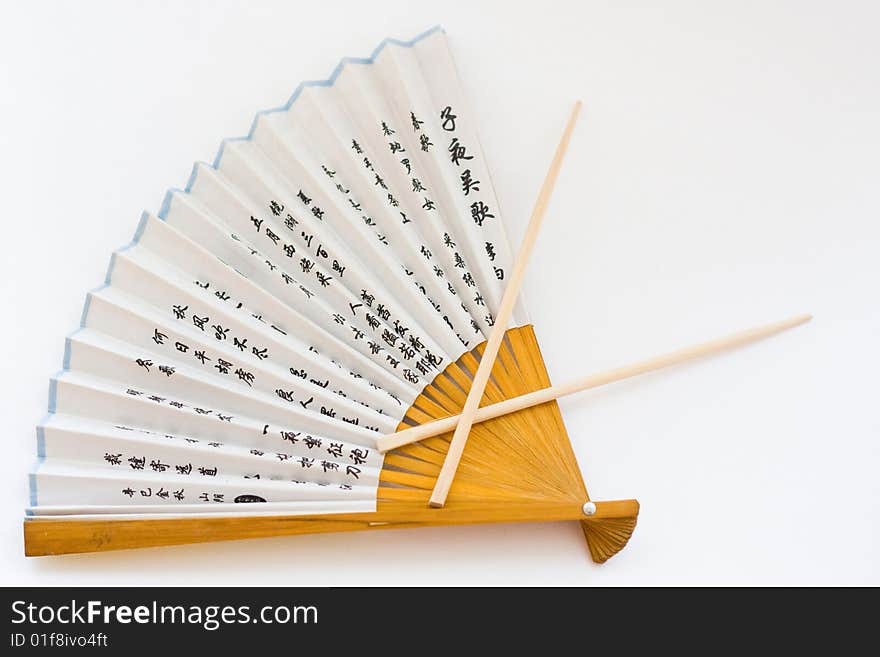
328 279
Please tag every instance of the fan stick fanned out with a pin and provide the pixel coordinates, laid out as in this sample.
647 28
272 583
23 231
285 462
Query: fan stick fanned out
508 301
55 537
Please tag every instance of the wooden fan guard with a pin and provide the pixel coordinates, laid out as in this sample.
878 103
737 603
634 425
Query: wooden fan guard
516 468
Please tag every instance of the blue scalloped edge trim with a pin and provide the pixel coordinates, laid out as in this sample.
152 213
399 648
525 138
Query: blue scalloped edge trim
53 390
332 79
163 213
108 277
65 364
32 489
166 203
41 456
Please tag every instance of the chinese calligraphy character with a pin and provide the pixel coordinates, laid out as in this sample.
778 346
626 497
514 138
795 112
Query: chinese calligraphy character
448 119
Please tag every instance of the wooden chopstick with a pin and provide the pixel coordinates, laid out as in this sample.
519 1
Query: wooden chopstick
438 427
508 300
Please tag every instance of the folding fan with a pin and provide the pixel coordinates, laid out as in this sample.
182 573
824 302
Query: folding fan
330 279
327 280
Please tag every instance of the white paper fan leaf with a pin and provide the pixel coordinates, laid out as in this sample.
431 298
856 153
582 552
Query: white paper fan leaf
286 308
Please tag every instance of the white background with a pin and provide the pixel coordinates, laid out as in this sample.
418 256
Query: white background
724 174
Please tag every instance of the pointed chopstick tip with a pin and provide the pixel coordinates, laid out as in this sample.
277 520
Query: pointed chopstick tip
797 320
